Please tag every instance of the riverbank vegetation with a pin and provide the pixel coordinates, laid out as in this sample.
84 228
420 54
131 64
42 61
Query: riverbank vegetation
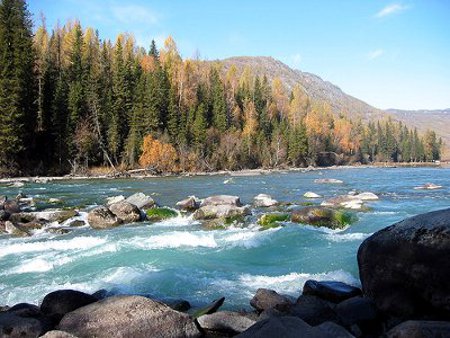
70 100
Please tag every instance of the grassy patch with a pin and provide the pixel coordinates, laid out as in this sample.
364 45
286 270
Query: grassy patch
268 221
159 214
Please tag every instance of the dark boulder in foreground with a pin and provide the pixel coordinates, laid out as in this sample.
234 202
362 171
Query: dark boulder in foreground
12 325
128 316
293 327
56 304
405 268
330 290
420 329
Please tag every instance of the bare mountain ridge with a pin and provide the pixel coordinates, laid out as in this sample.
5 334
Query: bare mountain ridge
315 87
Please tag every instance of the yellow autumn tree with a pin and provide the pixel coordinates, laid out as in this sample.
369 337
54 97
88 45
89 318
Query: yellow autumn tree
159 156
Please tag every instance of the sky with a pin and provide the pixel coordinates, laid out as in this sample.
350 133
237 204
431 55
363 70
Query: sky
390 54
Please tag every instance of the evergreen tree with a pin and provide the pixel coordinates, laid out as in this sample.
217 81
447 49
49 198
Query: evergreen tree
17 83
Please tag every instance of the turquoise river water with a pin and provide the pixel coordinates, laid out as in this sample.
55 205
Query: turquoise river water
178 259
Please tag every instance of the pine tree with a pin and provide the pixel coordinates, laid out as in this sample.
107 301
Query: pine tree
219 105
17 83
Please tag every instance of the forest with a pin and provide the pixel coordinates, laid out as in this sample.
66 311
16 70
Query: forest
71 101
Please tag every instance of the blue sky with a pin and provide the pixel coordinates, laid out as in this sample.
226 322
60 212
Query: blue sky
391 54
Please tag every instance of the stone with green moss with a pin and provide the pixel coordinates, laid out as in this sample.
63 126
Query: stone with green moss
323 217
273 220
159 214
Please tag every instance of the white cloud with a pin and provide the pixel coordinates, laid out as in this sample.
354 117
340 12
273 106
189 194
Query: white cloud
134 14
391 9
375 54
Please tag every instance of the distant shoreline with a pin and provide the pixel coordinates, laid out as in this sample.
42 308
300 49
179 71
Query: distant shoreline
144 173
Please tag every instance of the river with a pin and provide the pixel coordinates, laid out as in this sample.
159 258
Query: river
178 259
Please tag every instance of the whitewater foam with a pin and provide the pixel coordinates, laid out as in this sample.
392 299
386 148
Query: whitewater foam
77 243
356 236
175 239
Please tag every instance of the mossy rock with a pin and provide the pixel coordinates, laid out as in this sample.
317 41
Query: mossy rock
307 204
323 217
160 214
268 221
235 219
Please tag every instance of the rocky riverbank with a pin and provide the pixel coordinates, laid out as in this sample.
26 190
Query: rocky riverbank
404 271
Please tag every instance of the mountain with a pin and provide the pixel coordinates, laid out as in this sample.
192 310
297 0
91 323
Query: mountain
340 102
316 88
437 120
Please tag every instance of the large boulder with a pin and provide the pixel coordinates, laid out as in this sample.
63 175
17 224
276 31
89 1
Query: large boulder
160 214
14 326
264 200
420 329
11 206
102 218
58 334
59 216
265 299
222 200
128 316
114 199
56 304
311 309
226 322
286 327
322 216
332 291
356 310
141 200
126 211
405 268
15 229
212 211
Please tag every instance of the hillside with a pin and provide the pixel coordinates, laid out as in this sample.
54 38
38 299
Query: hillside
438 120
316 88
321 90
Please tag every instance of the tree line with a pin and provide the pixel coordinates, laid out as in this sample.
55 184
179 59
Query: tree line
70 100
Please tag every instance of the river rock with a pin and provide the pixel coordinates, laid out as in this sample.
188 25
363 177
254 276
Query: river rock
26 310
128 316
54 200
4 216
344 201
429 186
191 203
102 218
420 329
310 194
56 304
141 200
15 229
322 216
114 199
367 196
126 211
212 211
58 334
14 326
334 330
222 200
227 322
23 217
59 216
311 309
328 181
11 207
332 291
265 299
415 250
210 308
263 200
286 327
356 310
